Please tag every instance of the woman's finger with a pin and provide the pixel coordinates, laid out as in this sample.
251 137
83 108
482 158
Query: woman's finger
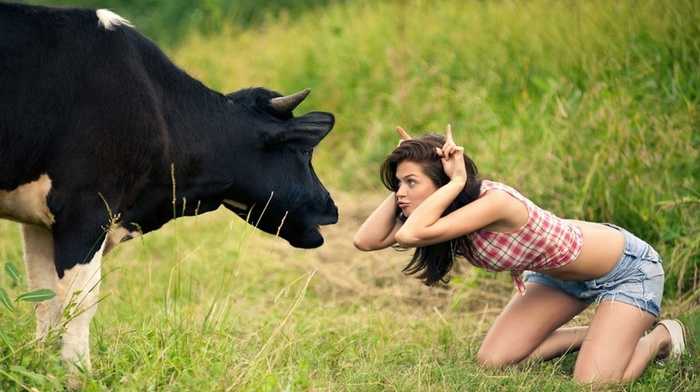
448 134
404 135
448 147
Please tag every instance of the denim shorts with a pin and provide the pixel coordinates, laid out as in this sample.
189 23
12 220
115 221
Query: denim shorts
637 278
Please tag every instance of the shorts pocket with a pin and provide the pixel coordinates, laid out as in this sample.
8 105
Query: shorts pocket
652 269
651 255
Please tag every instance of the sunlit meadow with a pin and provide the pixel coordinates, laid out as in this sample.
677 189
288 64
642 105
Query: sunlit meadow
589 108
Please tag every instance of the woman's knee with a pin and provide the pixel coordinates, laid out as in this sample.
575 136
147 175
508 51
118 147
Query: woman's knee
491 357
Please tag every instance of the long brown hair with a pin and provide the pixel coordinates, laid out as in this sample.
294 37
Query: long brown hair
433 262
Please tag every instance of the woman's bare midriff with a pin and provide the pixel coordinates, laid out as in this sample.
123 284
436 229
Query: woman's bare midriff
601 250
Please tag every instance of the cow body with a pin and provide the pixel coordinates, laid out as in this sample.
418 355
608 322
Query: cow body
103 138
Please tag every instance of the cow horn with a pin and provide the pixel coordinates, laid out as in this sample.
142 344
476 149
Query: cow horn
290 102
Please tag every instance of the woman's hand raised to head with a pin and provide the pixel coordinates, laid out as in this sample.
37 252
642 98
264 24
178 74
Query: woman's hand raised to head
453 158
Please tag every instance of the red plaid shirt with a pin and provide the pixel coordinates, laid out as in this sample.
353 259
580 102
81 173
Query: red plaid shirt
544 242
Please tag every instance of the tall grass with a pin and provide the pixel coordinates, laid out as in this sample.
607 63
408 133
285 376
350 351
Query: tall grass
208 304
590 108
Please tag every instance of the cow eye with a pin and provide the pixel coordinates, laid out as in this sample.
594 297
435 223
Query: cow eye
307 152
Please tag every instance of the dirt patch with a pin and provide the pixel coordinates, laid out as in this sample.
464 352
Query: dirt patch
346 275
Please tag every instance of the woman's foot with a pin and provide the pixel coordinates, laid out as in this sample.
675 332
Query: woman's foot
676 331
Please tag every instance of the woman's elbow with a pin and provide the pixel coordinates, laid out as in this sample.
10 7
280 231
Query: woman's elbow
360 245
406 238
363 244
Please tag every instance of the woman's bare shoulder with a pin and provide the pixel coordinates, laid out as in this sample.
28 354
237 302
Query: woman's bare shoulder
509 213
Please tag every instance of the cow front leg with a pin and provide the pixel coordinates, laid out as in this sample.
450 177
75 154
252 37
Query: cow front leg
80 290
41 274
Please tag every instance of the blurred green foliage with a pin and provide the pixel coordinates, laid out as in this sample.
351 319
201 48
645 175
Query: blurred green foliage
168 21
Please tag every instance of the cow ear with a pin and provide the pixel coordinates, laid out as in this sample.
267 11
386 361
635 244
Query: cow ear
305 131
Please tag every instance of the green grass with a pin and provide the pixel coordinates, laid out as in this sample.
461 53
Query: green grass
589 108
208 304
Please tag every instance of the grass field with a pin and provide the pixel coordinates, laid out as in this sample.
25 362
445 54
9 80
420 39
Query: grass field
209 304
589 108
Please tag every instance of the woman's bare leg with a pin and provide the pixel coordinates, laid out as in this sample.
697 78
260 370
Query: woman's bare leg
559 342
656 343
528 327
614 349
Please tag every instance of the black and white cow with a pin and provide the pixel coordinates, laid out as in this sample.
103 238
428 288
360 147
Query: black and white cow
103 138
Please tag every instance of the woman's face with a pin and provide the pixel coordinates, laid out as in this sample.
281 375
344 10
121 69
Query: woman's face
413 186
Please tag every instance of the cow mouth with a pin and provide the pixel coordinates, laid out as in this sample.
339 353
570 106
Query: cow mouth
313 238
307 235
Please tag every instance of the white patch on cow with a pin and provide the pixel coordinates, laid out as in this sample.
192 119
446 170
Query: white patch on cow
109 20
79 292
236 204
77 295
27 203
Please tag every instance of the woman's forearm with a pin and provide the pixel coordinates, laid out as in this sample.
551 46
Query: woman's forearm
377 232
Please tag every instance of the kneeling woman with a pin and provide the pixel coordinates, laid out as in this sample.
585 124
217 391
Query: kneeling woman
439 206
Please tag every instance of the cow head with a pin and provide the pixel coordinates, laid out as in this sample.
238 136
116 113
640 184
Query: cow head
278 190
